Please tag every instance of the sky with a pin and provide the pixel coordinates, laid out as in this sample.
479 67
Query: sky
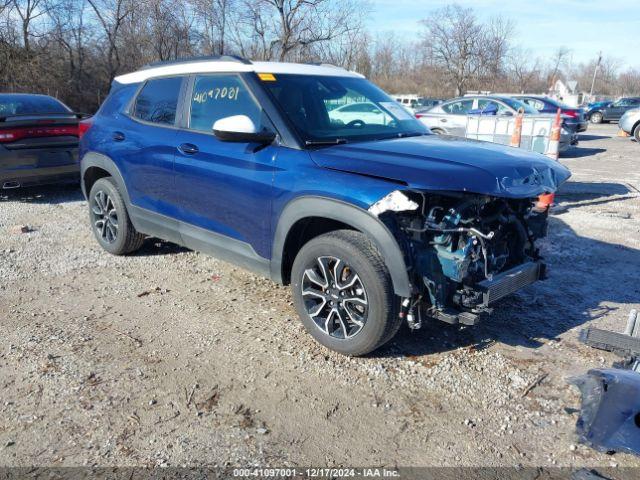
584 26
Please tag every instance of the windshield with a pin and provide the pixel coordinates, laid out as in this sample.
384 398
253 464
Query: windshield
28 104
327 109
517 104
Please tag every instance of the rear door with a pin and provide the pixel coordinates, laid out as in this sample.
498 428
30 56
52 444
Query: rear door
143 145
223 188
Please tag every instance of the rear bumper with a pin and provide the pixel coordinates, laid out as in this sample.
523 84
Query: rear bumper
40 176
27 167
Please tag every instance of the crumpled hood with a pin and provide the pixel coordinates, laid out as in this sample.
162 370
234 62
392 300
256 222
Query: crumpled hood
434 162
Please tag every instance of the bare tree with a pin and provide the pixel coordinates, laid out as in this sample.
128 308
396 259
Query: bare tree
289 29
454 39
629 82
215 16
524 72
28 11
111 15
558 60
495 49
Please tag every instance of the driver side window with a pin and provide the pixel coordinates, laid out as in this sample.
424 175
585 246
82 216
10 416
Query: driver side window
219 96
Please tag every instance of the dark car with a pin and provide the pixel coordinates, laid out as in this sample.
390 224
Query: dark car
590 105
612 111
574 118
373 222
38 141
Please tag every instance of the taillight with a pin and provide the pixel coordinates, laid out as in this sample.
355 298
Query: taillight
84 126
14 134
419 115
572 113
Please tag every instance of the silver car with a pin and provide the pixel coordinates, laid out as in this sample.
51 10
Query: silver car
450 117
630 123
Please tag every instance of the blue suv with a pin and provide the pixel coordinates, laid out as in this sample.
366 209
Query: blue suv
373 221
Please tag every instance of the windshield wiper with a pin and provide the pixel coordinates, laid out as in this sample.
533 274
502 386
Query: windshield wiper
335 141
410 134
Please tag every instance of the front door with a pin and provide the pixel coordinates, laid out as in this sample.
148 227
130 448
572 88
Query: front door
224 189
455 120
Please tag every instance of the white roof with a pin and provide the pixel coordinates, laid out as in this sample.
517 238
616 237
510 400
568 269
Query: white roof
214 66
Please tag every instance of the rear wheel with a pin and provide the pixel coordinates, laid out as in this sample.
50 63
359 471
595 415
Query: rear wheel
636 133
110 221
343 293
596 117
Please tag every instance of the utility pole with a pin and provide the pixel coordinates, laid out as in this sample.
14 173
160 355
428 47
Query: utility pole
595 72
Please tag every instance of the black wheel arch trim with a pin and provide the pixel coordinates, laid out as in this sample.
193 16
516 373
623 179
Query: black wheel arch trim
94 159
317 206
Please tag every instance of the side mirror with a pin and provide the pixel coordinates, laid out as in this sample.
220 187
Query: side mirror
241 129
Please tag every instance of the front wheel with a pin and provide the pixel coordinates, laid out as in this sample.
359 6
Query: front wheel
596 117
110 221
343 293
636 133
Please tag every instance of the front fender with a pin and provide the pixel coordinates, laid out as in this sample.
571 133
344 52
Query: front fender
315 206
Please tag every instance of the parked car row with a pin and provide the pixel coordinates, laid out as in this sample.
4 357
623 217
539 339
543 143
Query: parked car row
574 119
612 111
370 218
451 117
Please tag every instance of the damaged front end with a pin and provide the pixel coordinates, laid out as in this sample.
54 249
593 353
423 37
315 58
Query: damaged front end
463 251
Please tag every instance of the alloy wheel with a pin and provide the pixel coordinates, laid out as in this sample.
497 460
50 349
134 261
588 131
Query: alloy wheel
335 297
105 216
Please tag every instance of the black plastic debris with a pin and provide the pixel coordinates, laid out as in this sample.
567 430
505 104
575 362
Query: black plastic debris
610 414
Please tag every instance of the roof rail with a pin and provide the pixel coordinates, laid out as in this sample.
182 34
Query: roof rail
322 64
211 58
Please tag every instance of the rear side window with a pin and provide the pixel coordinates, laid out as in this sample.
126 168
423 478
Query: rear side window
219 96
533 102
157 102
459 107
29 104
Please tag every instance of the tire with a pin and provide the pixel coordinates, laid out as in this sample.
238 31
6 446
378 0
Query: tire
362 277
636 133
596 117
109 219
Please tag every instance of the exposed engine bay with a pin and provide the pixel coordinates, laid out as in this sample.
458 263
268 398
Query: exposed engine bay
463 251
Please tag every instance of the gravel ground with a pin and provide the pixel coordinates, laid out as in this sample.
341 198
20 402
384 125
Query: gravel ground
172 358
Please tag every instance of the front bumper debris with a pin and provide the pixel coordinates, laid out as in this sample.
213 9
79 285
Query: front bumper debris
510 281
610 413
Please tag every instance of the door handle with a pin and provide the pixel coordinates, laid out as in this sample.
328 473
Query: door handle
188 148
443 120
118 136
